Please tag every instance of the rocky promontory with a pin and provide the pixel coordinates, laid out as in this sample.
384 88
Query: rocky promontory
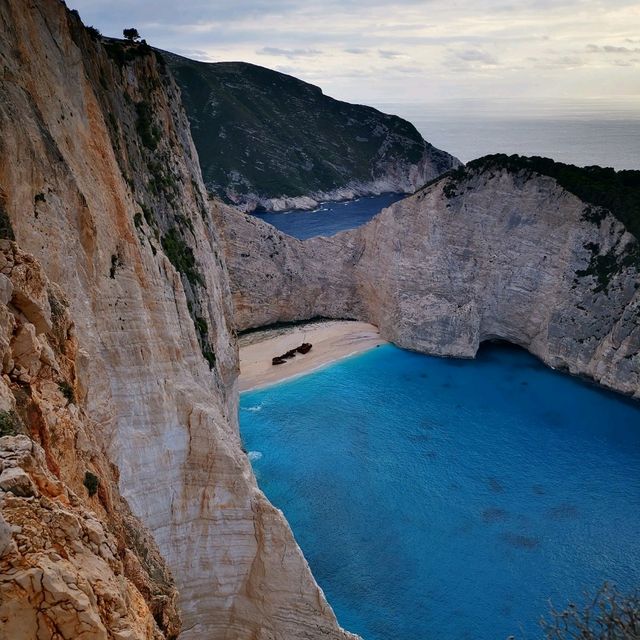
268 140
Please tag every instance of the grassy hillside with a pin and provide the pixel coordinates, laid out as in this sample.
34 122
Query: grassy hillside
260 131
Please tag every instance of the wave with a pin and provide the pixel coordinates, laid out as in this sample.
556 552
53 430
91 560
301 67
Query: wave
254 455
255 408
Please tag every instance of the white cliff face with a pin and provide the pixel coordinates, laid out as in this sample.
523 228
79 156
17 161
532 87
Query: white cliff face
101 183
74 563
501 258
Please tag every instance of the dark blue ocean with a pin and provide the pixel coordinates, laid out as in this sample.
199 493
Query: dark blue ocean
330 217
451 499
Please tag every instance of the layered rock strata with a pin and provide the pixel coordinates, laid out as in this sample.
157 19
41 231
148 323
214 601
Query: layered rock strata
496 254
74 561
100 182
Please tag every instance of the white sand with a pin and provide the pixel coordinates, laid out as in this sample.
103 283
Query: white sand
332 340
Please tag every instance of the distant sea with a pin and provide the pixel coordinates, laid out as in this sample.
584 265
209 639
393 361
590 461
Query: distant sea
605 133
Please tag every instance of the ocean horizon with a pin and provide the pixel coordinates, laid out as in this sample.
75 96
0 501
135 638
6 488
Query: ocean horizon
604 133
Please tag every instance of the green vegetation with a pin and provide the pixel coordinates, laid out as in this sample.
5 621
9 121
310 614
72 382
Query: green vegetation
261 131
67 391
94 33
116 262
161 181
148 132
604 190
137 220
181 256
148 214
203 338
91 482
10 424
604 266
131 34
122 53
609 615
6 229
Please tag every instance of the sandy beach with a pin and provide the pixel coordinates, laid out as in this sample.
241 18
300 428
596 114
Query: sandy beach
331 340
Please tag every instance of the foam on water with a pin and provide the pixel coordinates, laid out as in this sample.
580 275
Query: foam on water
451 499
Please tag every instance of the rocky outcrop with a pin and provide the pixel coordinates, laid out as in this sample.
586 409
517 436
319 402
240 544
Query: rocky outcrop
268 140
74 561
100 182
492 252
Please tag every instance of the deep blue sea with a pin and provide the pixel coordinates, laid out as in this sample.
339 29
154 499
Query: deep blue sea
450 499
330 217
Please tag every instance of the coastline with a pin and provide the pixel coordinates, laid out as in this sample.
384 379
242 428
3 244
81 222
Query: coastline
332 340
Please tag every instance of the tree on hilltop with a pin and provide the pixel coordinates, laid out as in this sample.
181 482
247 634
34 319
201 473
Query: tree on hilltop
131 34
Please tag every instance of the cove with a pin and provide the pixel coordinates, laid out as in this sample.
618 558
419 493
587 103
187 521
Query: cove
449 499
330 217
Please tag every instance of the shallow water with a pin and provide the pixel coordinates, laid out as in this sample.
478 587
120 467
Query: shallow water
451 499
330 217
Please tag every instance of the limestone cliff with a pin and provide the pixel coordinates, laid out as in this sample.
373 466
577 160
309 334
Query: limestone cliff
491 252
269 140
100 182
74 561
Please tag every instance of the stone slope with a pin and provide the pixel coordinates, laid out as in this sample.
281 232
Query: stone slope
73 561
100 182
266 139
490 252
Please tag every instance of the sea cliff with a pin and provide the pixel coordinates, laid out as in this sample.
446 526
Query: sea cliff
101 188
271 141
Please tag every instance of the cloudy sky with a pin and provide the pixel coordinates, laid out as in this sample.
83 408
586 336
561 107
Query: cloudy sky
380 51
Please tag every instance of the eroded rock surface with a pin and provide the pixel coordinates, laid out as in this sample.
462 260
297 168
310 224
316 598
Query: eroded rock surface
74 563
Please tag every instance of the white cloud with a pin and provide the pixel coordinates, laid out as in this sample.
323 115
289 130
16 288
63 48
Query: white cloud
292 54
364 50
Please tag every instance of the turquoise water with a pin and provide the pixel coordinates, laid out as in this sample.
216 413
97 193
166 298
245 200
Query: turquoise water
330 217
449 499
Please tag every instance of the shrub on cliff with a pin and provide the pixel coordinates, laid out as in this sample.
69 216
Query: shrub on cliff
91 482
10 424
609 615
67 391
181 256
6 229
148 132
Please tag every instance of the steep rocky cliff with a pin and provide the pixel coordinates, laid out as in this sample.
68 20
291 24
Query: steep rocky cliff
497 250
73 559
266 139
100 182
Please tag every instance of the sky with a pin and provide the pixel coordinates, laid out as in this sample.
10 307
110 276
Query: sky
406 51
